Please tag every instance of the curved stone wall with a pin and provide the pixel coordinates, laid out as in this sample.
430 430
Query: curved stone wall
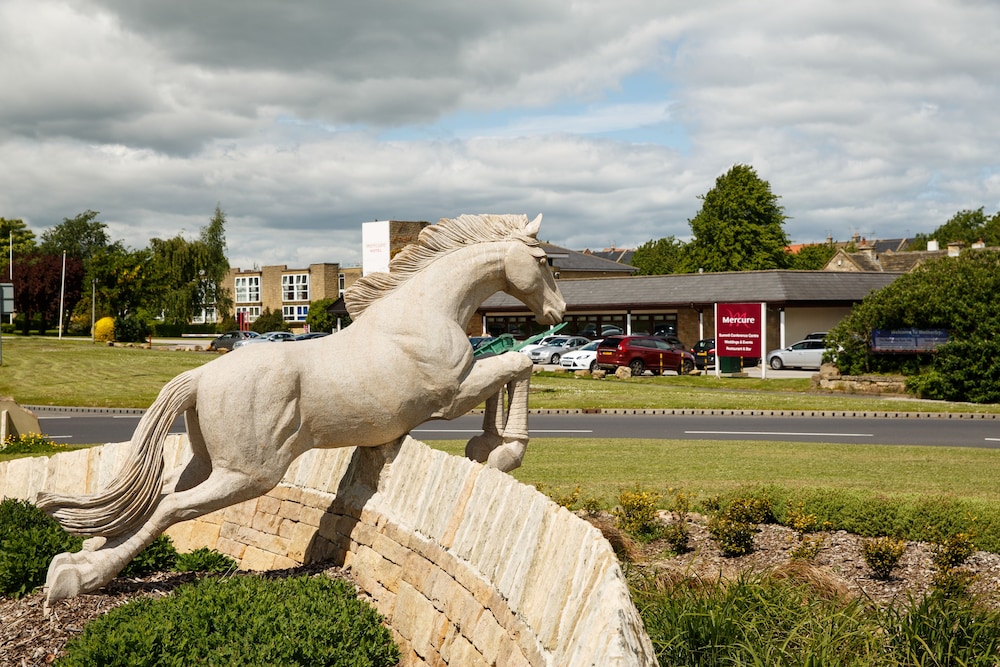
469 566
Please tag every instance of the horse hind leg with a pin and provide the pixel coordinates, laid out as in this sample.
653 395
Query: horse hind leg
70 575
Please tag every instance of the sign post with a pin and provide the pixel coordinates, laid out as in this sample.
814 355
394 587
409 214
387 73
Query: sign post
6 307
739 331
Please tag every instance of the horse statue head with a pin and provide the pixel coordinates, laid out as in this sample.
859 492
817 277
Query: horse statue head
529 277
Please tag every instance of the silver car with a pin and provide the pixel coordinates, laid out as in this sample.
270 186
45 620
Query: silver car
554 349
804 354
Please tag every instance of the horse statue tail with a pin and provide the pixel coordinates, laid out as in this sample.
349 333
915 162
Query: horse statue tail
130 498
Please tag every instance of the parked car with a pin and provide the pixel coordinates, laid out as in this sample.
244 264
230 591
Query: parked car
672 340
816 335
804 354
478 341
704 355
551 353
269 337
310 335
642 353
590 331
583 358
541 343
230 338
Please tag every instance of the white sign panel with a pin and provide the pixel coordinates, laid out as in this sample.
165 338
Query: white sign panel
6 298
375 247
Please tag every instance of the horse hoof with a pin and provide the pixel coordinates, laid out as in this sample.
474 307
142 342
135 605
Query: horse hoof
508 457
479 447
63 579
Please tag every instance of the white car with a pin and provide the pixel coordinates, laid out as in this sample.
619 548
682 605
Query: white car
553 352
804 354
583 359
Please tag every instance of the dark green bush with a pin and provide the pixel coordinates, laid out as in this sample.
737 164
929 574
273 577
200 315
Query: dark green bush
205 560
131 329
160 556
243 620
29 538
735 538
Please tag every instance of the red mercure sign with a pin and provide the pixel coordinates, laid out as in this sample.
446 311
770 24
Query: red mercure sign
738 329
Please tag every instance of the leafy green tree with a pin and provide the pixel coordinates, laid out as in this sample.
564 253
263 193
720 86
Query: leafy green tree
739 226
24 243
269 320
812 257
80 237
127 280
967 226
960 294
193 272
319 317
659 257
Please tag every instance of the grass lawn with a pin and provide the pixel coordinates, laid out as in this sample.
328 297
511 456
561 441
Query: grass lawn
73 371
602 468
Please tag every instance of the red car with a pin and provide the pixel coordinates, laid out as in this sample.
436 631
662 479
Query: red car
642 353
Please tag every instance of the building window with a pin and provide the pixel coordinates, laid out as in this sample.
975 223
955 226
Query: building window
248 290
294 313
295 287
341 282
250 313
207 315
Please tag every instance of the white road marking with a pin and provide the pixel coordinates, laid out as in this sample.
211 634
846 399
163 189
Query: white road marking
479 430
827 435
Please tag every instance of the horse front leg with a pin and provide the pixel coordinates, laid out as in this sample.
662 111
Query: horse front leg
505 428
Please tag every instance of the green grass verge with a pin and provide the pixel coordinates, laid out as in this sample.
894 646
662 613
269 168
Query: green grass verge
869 490
71 371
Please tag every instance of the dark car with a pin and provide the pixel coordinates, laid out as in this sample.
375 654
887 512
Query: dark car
642 353
672 340
228 339
590 331
704 355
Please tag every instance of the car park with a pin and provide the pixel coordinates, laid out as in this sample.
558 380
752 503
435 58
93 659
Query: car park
230 338
803 354
269 337
584 358
551 353
526 349
642 353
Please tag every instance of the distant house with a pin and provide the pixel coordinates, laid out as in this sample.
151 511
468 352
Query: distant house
619 255
890 256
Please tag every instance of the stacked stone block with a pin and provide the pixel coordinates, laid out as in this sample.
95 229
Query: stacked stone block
468 566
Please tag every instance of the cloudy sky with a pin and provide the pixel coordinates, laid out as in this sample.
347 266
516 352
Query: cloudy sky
304 119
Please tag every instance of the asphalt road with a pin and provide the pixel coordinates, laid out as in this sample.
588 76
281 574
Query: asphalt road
954 431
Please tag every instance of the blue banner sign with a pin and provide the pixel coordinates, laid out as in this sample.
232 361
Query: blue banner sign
908 340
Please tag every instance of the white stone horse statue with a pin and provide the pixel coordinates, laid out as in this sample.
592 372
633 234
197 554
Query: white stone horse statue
404 360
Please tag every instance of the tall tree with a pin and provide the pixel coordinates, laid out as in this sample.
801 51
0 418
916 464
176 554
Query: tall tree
80 237
193 272
127 280
24 243
659 257
739 226
38 288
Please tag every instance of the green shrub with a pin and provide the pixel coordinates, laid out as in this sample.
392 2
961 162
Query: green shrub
131 329
243 620
636 513
29 443
205 560
952 551
159 556
882 554
29 538
735 538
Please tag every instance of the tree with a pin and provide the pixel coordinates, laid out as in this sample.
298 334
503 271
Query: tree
24 243
659 257
193 272
739 226
39 286
812 257
79 237
127 280
319 317
966 226
269 320
960 294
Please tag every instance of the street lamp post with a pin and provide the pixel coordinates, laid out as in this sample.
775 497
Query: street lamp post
93 310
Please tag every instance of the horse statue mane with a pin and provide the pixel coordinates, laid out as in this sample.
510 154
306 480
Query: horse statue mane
448 235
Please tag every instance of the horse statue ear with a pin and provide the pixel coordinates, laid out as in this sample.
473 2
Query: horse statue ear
533 227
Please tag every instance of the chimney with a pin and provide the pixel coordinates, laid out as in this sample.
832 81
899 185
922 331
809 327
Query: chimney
978 245
932 245
955 248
